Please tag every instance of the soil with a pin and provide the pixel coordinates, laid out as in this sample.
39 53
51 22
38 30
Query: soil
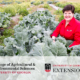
1 5
40 9
15 19
1 31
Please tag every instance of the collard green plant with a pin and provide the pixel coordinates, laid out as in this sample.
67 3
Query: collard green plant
4 20
30 31
55 1
18 2
77 16
75 51
6 2
2 52
40 49
42 2
49 2
32 2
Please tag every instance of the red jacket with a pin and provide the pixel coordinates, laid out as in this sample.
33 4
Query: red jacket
70 32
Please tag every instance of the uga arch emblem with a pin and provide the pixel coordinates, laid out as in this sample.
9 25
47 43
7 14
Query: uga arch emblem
47 67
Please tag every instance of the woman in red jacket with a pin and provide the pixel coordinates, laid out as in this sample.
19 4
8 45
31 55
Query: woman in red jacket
69 27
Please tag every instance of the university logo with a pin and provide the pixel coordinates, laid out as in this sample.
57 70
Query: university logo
47 67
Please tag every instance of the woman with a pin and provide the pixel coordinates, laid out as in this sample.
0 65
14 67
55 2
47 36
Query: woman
69 27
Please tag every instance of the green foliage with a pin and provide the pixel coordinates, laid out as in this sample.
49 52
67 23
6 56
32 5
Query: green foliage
17 8
32 2
77 16
5 2
1 9
21 18
62 4
55 1
37 3
48 48
49 2
62 40
22 8
77 9
47 6
4 20
75 51
40 49
58 12
39 17
10 9
18 2
42 2
2 52
6 33
23 11
61 18
30 31
58 49
25 4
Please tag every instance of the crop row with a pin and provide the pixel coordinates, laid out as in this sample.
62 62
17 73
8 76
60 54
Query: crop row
62 4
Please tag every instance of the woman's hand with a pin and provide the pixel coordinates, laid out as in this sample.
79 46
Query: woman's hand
53 37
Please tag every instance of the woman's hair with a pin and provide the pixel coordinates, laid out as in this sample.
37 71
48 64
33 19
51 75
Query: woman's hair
69 7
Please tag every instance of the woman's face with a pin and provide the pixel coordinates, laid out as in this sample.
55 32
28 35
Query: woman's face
68 15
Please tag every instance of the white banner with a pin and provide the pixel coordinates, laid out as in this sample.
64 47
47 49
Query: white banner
39 68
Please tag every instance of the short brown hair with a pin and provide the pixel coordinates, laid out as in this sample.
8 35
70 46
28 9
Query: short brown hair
69 7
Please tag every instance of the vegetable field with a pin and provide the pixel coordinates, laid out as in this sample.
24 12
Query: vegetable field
78 1
31 36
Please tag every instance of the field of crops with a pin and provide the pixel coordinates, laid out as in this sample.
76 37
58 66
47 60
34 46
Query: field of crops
25 29
76 1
